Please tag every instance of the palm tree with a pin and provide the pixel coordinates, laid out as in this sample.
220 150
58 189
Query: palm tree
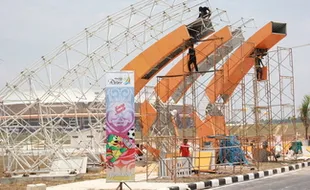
305 113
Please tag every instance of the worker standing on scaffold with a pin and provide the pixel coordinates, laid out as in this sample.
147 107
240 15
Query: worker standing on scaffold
259 66
192 58
185 152
184 148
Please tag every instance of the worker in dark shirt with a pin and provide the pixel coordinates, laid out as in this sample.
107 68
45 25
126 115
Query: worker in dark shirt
259 66
204 12
192 58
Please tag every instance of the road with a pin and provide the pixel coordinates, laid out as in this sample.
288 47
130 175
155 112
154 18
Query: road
299 180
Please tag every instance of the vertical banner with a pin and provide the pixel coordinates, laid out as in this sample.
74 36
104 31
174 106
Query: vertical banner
120 126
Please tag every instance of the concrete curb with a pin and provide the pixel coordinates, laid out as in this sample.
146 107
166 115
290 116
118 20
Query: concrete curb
238 178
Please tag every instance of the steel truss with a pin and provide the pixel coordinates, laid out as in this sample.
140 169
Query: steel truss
63 93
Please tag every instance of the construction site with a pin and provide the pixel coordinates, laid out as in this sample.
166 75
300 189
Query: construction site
52 116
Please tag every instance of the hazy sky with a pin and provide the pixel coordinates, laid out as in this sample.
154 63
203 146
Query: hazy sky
32 28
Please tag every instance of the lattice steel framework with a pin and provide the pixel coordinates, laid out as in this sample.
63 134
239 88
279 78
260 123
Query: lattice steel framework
51 101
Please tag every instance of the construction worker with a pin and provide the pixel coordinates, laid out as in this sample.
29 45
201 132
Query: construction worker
184 148
204 12
259 67
192 58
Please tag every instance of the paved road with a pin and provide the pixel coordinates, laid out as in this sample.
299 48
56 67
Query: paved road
297 180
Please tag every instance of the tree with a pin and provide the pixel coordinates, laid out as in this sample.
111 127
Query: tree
305 113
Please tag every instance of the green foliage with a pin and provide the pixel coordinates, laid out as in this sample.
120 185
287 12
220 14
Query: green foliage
305 113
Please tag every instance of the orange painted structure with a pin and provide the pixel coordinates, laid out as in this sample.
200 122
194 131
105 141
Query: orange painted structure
264 73
148 63
239 64
236 67
167 86
148 116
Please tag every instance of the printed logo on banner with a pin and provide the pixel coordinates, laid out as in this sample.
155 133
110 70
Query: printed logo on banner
120 131
119 80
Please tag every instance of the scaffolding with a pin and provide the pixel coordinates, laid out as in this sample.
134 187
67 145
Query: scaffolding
262 113
185 118
41 112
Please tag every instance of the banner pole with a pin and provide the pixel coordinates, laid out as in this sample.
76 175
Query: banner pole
120 186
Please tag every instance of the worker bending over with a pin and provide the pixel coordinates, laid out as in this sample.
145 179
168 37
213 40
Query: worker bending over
204 12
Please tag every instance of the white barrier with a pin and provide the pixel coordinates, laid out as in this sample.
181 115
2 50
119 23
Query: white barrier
36 187
181 167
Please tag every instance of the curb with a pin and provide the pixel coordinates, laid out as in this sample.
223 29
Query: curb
237 178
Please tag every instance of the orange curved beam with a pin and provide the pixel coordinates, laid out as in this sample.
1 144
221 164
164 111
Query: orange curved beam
239 64
208 63
203 130
212 125
168 85
148 116
148 63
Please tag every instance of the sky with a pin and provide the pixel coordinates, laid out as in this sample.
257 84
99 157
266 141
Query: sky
33 28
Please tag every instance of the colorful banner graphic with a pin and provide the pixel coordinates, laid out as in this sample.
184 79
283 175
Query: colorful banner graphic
120 126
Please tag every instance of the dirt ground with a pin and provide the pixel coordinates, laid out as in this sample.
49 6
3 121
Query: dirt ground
23 185
88 176
221 172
